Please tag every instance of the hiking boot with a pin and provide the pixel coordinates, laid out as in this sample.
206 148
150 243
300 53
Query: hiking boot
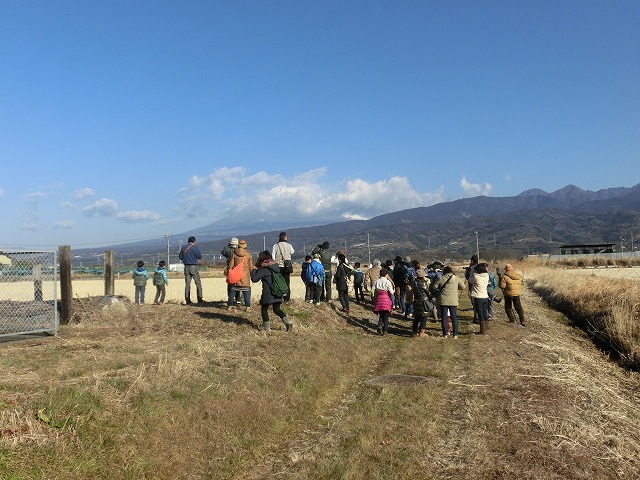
288 324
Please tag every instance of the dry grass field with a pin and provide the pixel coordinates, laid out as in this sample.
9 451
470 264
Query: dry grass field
196 392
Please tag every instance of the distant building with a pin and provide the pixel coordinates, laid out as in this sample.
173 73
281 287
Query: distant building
586 248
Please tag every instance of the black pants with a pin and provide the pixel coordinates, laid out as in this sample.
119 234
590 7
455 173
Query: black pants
287 279
264 311
326 287
511 303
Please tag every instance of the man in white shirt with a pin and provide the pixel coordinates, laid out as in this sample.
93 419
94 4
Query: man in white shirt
281 253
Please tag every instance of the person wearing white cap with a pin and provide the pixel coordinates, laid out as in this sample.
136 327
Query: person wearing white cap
227 252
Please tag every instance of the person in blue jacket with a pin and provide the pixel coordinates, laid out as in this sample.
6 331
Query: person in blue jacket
140 276
160 280
190 256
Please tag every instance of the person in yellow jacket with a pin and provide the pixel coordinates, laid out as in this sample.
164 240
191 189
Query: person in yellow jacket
511 284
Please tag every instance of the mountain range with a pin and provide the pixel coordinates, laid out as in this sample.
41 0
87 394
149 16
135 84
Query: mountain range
532 222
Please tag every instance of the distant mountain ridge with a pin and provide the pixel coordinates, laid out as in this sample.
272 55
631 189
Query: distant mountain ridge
533 221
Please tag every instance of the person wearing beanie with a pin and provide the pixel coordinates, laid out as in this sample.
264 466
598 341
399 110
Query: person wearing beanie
190 255
281 253
243 287
140 276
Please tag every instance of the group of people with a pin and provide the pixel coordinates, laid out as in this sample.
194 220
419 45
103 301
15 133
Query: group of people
402 284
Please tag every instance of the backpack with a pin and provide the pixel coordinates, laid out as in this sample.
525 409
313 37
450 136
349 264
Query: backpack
358 277
158 279
278 285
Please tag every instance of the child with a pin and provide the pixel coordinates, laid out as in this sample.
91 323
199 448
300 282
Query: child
160 280
358 282
308 291
315 278
383 303
262 272
140 276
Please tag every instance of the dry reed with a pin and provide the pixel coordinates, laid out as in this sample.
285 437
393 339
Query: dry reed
607 308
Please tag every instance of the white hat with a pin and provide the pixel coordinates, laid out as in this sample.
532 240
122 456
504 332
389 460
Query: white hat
234 241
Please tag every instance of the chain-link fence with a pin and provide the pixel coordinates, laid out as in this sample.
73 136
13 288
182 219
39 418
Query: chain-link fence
28 296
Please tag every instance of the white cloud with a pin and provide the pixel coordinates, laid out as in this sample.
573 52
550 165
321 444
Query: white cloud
1 192
69 206
64 225
35 197
29 225
230 192
475 189
83 193
104 207
138 216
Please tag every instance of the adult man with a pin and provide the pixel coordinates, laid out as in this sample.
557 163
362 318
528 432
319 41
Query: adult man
190 254
511 284
282 252
325 259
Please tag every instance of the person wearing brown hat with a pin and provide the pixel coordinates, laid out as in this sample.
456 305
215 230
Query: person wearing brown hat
227 252
243 287
511 284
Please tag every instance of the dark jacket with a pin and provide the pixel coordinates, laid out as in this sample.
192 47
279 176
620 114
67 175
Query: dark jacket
263 274
190 254
227 252
343 272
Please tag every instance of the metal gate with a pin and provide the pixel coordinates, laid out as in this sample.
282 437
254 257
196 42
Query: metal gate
28 294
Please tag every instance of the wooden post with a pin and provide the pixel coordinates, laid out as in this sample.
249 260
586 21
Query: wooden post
109 277
66 294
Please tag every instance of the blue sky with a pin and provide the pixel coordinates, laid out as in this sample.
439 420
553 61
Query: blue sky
122 121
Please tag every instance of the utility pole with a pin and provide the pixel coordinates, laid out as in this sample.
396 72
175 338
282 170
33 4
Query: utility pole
477 246
168 237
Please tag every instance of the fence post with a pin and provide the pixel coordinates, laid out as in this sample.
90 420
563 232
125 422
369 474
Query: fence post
66 294
109 277
37 282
